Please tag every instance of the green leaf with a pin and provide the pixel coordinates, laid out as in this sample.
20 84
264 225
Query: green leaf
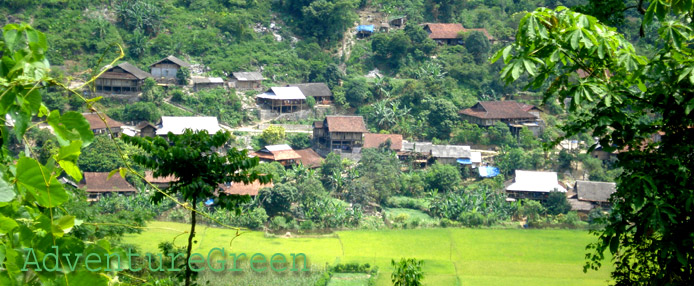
110 174
71 169
7 224
70 152
614 244
7 192
63 225
40 183
70 126
10 37
690 107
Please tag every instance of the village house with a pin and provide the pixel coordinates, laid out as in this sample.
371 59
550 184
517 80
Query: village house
364 31
246 80
372 140
146 129
200 83
398 21
99 127
318 90
343 133
283 154
535 185
243 189
449 154
165 70
123 78
309 158
160 182
516 115
97 185
595 193
177 124
449 33
283 99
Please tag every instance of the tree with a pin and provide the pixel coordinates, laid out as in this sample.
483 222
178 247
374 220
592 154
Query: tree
624 98
478 45
183 75
278 199
194 159
407 272
299 140
557 203
442 117
357 91
273 135
442 177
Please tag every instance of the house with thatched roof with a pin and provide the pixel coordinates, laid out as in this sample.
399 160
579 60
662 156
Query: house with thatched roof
318 90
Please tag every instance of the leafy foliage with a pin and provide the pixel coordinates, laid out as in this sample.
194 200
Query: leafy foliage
624 98
407 272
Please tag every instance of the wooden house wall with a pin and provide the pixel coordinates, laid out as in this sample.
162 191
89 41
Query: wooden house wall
167 71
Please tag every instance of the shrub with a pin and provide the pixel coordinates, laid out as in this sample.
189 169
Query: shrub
406 202
407 272
372 223
401 218
278 223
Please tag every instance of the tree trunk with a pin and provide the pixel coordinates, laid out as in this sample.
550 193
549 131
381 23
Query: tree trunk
190 241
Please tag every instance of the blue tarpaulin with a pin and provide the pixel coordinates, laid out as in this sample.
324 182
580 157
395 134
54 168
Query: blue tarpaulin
209 202
365 28
464 161
488 171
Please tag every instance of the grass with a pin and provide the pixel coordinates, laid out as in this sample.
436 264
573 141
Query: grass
411 215
452 256
349 279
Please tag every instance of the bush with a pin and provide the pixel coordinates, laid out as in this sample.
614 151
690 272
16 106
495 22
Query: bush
448 223
306 225
401 218
557 203
407 202
372 223
278 223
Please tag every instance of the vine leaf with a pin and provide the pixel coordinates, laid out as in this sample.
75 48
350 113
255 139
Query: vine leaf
40 183
6 192
63 225
70 126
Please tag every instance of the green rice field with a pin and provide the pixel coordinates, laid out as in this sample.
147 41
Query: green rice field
452 256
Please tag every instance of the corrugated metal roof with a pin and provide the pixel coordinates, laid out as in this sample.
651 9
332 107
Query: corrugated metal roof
535 181
279 147
177 124
476 157
282 93
450 151
199 80
315 89
175 60
247 76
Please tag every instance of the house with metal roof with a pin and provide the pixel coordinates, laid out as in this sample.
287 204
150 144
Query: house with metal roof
200 83
364 31
340 132
165 70
123 78
177 124
282 99
534 185
318 90
246 80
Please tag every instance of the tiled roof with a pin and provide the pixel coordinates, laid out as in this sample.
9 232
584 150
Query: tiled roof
97 182
451 31
317 124
374 140
346 124
247 76
595 191
175 60
277 153
310 158
508 109
144 124
444 30
316 89
244 189
149 176
96 123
